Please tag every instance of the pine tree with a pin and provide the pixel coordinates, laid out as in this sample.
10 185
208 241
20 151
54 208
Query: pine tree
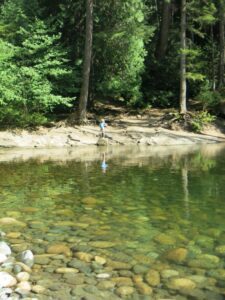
121 34
33 73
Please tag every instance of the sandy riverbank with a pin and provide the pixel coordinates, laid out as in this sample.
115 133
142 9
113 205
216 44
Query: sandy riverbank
149 129
58 137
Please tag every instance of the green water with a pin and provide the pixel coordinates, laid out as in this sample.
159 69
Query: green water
134 212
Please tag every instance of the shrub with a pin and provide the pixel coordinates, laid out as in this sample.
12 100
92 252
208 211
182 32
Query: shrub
201 119
209 99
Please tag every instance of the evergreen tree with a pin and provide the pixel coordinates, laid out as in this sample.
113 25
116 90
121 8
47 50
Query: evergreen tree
34 72
121 32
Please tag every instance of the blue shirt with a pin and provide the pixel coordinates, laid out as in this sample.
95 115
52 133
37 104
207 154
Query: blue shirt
102 125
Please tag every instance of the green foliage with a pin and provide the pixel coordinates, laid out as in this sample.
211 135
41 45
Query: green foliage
161 79
201 13
42 45
30 76
162 99
209 99
120 49
201 119
12 117
194 64
43 66
16 14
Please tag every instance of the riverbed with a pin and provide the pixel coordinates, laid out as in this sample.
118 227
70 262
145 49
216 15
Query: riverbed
118 222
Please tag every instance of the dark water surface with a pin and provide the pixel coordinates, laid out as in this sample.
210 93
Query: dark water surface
119 223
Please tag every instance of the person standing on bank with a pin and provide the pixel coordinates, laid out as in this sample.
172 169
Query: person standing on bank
102 126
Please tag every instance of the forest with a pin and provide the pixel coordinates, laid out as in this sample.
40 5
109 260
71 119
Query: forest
60 57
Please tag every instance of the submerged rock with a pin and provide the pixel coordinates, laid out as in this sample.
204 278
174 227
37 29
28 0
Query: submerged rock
89 200
153 278
81 265
23 276
214 232
3 258
2 233
13 214
125 291
122 281
100 260
66 270
177 255
38 289
27 258
137 279
29 209
13 235
204 241
5 249
118 265
220 250
164 239
14 283
59 249
140 269
64 212
103 275
23 288
7 280
102 244
106 285
217 274
143 288
65 224
11 221
169 273
5 293
198 279
84 256
205 261
181 283
193 250
19 266
42 259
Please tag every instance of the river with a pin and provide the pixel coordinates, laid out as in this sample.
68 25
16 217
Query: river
120 222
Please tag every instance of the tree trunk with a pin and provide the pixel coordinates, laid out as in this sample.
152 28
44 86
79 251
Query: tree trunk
222 46
164 30
183 82
87 62
213 59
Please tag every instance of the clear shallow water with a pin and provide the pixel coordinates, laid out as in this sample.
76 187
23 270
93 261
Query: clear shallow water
133 213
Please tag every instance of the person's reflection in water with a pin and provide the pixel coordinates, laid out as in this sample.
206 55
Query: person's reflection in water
104 165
